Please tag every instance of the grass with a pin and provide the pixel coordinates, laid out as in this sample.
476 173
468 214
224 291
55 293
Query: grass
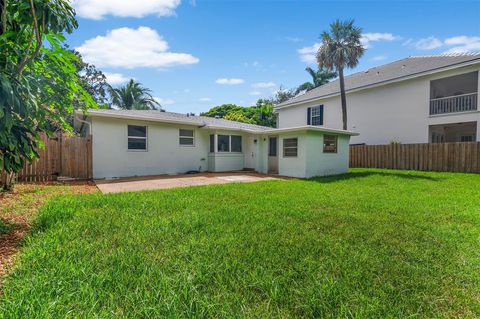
369 244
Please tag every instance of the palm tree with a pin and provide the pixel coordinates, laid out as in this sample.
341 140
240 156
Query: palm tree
341 47
133 96
320 77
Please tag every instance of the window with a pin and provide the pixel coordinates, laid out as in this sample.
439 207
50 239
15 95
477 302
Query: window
329 144
224 143
290 147
236 142
315 115
272 146
137 138
212 143
467 138
186 137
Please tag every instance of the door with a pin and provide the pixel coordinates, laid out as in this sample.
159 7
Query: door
273 155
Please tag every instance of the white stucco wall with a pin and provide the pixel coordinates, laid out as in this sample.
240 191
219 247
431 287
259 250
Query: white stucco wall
323 164
311 160
397 111
164 155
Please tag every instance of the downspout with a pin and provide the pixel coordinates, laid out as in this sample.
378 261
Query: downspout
85 122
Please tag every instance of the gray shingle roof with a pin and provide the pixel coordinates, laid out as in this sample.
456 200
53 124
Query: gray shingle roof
411 66
154 115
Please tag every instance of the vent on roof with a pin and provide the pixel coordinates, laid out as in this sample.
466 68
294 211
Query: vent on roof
217 117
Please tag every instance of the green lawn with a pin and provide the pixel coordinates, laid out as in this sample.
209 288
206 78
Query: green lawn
369 244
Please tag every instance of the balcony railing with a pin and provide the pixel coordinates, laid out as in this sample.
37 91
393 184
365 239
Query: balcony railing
453 104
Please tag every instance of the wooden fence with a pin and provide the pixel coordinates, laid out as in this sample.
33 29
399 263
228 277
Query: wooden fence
441 157
62 156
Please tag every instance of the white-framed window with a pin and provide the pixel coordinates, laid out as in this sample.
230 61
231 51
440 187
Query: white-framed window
228 143
223 143
290 147
236 143
137 138
330 143
186 137
316 115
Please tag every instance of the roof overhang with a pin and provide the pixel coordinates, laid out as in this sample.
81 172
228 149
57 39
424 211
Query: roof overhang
307 128
377 84
94 113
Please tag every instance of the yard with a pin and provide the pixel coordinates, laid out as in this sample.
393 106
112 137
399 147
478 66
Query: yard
372 243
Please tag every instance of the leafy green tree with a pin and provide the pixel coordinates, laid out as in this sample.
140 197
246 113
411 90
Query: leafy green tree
93 81
221 110
259 114
238 116
38 78
134 96
282 95
319 77
341 48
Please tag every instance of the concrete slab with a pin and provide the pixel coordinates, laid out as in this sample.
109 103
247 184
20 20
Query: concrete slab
167 181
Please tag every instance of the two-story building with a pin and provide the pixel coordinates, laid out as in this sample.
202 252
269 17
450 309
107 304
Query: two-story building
420 99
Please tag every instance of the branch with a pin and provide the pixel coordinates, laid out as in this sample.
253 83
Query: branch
36 32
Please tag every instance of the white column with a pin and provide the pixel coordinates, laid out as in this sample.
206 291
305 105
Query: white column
215 142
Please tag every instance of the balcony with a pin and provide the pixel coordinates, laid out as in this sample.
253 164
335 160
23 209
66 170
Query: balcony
453 94
454 104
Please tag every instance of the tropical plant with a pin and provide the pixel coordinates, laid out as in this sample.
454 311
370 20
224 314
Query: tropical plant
319 77
134 96
341 48
260 114
38 78
282 95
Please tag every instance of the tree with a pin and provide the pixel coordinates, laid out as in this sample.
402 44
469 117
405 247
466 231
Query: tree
93 81
259 114
38 78
133 96
221 110
341 47
282 95
319 77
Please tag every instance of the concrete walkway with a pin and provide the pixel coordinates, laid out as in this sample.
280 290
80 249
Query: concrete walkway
169 181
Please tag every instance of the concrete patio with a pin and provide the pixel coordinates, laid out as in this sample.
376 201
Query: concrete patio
133 184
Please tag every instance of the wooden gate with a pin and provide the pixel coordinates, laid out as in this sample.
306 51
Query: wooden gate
62 156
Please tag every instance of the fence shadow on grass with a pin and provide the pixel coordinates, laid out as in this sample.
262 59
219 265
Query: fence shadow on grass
356 175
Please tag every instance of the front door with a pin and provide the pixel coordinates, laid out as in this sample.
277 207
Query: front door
273 155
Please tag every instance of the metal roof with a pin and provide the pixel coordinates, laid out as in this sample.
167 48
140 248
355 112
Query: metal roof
398 70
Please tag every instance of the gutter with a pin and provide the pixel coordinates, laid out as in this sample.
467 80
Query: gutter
84 122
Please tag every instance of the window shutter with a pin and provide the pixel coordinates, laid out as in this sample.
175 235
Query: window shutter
309 112
321 114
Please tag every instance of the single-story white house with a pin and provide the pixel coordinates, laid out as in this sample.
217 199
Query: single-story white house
419 99
140 143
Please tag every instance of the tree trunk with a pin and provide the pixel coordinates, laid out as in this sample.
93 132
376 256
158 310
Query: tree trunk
7 185
343 97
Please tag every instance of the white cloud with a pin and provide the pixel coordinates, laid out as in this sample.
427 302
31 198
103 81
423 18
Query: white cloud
163 101
255 93
429 43
232 81
379 58
457 44
308 54
263 85
115 78
462 44
132 48
204 99
98 9
367 38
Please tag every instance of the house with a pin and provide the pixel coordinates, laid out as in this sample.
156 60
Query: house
420 99
139 143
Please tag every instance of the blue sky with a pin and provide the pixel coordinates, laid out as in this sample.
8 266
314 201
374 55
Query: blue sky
198 54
